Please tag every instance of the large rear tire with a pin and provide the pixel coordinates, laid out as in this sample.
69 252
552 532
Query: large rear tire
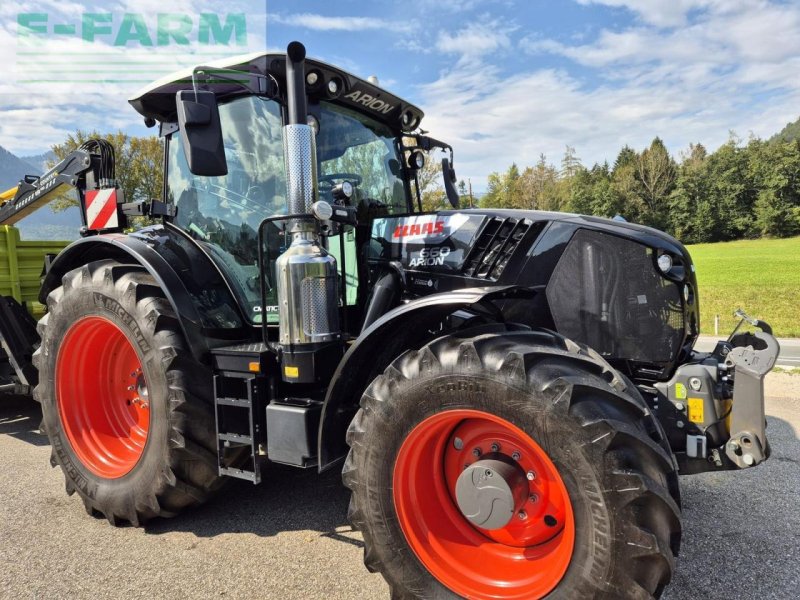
599 479
128 410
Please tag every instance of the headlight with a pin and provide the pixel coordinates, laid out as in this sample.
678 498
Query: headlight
665 263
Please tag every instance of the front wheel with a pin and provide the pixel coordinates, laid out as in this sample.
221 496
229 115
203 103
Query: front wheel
126 407
511 466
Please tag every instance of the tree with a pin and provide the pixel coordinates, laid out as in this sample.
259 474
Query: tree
624 183
693 215
655 175
431 186
503 191
731 190
775 171
570 163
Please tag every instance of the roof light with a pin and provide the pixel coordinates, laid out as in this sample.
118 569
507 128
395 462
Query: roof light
665 263
333 86
416 160
312 78
408 121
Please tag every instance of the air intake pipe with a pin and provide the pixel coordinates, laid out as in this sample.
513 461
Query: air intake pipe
307 278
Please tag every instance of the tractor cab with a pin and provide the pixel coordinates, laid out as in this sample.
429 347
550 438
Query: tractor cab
362 162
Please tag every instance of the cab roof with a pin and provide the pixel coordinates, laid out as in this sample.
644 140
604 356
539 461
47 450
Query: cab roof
157 100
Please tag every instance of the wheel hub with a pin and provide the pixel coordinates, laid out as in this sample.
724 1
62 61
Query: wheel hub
491 491
483 507
103 398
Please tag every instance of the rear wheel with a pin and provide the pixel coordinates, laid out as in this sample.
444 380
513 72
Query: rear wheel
511 466
127 409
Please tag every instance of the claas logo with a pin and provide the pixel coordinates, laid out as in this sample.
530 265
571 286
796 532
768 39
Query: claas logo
408 230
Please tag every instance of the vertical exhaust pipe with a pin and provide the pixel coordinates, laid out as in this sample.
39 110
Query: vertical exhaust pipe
307 277
299 145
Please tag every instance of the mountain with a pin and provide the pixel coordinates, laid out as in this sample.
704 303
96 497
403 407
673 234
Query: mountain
44 224
40 161
12 169
788 133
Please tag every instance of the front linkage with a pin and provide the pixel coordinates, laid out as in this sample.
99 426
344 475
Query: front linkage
715 403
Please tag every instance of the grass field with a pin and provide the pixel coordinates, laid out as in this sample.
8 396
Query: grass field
760 276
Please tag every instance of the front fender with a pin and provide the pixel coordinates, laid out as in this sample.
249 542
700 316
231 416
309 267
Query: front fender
195 288
404 328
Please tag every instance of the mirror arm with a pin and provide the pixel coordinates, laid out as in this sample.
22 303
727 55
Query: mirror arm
265 90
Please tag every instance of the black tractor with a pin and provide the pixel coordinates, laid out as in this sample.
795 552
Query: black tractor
511 395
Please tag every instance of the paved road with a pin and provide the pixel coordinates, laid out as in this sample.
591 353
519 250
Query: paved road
289 538
788 358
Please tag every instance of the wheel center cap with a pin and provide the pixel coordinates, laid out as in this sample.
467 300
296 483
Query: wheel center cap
491 491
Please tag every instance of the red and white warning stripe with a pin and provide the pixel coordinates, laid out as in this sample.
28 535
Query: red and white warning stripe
101 209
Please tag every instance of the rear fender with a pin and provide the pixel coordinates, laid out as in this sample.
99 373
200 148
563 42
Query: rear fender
407 327
201 298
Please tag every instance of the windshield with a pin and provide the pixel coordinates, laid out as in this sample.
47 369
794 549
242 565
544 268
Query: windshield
353 147
224 213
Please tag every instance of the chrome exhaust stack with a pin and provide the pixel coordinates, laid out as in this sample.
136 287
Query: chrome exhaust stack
307 277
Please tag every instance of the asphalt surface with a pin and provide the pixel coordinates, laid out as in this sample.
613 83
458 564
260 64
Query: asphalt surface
789 356
289 538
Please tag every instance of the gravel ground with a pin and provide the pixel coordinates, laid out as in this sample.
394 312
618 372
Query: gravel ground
289 538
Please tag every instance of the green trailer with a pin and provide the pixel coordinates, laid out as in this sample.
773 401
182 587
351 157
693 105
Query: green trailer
21 269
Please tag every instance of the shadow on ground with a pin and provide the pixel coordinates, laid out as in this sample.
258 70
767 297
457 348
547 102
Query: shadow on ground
20 417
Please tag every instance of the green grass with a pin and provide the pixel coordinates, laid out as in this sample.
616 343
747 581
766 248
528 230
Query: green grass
788 371
760 276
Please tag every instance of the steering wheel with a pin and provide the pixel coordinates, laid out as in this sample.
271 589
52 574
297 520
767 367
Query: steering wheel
351 177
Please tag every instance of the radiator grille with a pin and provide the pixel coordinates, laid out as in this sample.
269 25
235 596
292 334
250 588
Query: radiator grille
494 247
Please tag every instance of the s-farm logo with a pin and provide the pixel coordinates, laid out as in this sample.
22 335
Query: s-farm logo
410 229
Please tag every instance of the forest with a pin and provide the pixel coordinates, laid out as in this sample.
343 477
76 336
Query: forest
741 190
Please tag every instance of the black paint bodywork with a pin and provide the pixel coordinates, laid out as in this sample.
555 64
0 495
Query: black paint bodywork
197 289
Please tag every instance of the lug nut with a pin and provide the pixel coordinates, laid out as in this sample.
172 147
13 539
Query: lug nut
531 475
476 452
533 498
516 456
495 447
522 515
458 443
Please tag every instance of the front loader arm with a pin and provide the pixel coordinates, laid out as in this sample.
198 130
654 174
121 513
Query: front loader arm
89 169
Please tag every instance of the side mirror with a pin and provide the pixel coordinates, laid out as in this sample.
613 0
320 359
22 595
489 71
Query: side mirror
201 132
449 175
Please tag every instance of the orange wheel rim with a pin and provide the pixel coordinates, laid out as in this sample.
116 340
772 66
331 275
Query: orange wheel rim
525 558
102 397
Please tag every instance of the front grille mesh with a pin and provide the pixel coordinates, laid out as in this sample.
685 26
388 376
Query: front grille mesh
607 293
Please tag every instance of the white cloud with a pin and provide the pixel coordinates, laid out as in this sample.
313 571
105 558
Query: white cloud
319 22
662 13
727 68
476 39
42 98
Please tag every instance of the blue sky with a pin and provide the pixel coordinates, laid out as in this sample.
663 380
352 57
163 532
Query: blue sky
506 81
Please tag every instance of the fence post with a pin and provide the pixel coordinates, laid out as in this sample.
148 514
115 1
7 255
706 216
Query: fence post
716 324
